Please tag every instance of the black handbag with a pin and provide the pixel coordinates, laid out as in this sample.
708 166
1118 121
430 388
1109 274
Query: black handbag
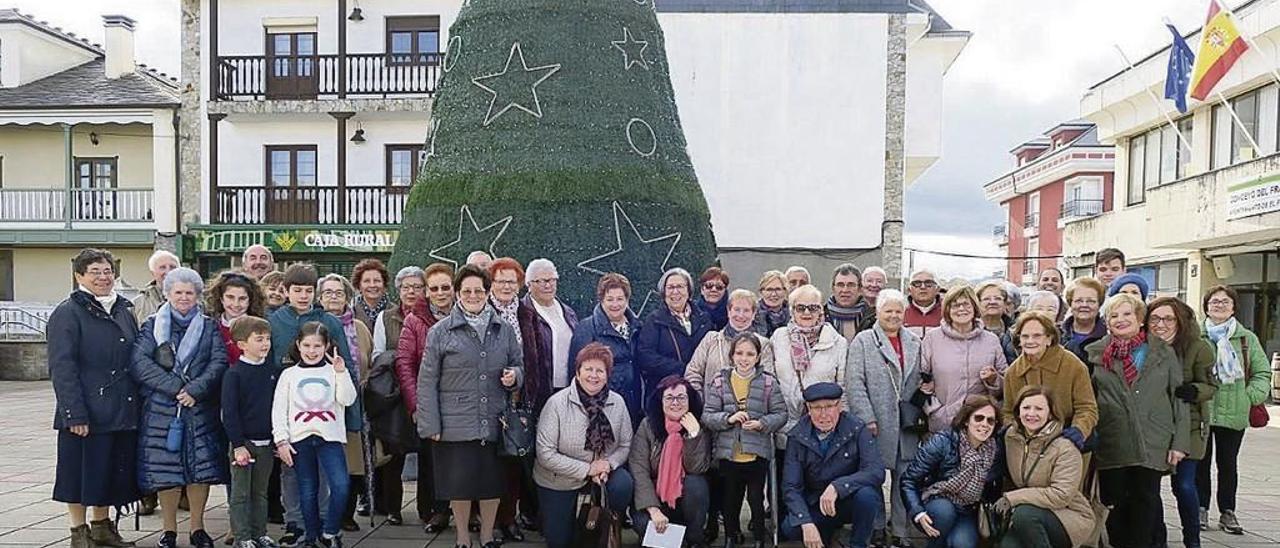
597 526
518 429
389 420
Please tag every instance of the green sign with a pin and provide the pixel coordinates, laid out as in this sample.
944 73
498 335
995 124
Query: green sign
286 240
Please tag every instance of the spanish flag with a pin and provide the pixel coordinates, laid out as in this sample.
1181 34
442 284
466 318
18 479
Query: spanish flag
1220 46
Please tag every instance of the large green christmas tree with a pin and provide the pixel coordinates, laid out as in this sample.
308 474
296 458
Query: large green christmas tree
555 134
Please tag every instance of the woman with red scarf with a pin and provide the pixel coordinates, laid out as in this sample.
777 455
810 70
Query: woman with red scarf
1142 426
670 456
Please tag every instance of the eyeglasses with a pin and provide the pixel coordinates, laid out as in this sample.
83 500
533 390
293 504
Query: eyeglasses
682 398
439 288
773 289
473 292
989 419
923 284
411 287
676 287
1170 320
333 293
962 304
1089 302
543 281
823 407
713 287
1219 302
807 308
99 273
505 282
847 285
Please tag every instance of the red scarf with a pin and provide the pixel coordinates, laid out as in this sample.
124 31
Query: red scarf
671 466
1122 349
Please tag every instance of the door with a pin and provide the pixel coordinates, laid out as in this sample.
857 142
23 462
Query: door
291 66
6 275
1084 199
292 194
93 197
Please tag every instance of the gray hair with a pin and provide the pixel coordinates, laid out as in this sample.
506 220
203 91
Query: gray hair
875 270
1014 295
797 268
537 266
161 254
890 296
347 288
410 272
677 271
183 275
252 247
925 271
846 269
806 290
1041 294
472 258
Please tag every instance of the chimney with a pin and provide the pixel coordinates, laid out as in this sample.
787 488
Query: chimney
119 41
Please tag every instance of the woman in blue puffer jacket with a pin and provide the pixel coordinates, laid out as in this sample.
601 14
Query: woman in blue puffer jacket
179 359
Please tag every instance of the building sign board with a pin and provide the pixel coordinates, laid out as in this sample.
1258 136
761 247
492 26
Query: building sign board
296 240
1256 197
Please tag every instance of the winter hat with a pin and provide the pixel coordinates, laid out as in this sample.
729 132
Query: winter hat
1127 279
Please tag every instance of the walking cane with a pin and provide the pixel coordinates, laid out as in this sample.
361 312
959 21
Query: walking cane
367 452
773 488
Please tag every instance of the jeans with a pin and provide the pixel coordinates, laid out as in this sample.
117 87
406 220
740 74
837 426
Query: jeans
1034 527
1185 492
958 527
560 508
247 502
1227 442
858 509
691 511
744 479
289 494
1133 493
314 457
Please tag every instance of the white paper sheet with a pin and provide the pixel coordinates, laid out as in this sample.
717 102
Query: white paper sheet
670 539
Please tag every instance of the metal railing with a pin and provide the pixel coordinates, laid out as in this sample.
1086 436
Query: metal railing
17 324
311 76
361 205
76 205
1032 220
1000 233
1079 208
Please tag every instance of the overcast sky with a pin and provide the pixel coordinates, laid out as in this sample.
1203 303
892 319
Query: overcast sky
1023 71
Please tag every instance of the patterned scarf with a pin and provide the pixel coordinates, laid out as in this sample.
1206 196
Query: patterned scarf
599 431
802 339
623 328
1122 349
348 319
683 318
964 488
372 312
671 465
773 319
509 313
1227 365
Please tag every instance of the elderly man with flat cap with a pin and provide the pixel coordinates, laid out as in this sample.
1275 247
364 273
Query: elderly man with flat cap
833 473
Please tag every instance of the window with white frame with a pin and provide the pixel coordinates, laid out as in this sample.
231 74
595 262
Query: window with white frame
1136 192
1252 136
1082 197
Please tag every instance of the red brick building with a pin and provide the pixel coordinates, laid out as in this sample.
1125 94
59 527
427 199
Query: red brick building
1060 177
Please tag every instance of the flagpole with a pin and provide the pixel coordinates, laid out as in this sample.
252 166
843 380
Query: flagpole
1156 100
1257 151
1247 39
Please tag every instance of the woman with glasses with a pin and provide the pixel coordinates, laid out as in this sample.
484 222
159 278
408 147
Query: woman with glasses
883 376
471 366
508 276
806 351
1044 362
1244 380
336 297
714 355
409 324
546 325
670 456
960 359
993 308
952 473
670 333
714 284
1082 326
773 313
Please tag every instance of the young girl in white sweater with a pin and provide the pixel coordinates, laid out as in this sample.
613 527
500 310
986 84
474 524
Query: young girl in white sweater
309 428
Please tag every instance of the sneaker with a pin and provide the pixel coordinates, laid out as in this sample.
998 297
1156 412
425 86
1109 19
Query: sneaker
292 536
1228 522
265 541
327 541
200 539
247 544
168 540
1204 519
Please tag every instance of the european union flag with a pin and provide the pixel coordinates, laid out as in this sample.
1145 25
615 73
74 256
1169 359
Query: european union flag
1178 78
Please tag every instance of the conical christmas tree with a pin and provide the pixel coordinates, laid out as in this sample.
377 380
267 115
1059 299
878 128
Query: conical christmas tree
555 134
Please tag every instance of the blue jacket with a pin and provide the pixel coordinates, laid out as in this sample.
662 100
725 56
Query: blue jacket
718 313
285 324
625 378
664 348
939 459
89 364
851 462
203 457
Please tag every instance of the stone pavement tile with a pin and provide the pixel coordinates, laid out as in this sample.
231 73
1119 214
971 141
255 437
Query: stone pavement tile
387 543
7 487
36 536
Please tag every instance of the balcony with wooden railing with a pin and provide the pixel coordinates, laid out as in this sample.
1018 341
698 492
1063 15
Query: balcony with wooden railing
317 205
39 206
325 76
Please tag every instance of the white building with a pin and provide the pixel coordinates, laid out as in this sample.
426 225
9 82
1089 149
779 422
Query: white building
87 155
805 120
1191 218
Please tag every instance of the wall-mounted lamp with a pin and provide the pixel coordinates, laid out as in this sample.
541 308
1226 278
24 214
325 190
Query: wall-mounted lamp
358 138
356 15
93 138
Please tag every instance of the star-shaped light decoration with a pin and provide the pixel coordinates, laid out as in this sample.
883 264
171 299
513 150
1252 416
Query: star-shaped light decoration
472 239
632 50
512 84
643 259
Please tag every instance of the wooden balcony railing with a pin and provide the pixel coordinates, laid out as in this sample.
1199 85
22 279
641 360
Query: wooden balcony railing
75 205
358 205
312 76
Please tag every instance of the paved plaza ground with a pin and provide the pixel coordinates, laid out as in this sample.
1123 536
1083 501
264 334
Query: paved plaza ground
29 518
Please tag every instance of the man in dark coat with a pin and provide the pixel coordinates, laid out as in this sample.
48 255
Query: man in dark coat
833 473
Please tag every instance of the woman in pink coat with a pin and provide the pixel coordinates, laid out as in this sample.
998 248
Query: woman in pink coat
960 358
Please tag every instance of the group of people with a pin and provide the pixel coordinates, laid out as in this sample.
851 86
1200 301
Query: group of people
1045 421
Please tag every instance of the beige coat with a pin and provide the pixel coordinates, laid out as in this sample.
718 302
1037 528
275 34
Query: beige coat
1045 471
712 356
147 302
826 364
562 462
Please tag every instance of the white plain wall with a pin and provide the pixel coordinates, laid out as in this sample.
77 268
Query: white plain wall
29 55
777 171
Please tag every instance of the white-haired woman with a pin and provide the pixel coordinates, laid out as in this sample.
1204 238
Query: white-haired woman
883 375
873 281
179 359
546 333
671 333
1047 302
806 351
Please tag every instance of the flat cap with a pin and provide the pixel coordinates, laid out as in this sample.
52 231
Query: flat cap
823 391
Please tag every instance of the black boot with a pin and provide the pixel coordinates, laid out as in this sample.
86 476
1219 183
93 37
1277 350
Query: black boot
80 537
148 505
104 534
733 540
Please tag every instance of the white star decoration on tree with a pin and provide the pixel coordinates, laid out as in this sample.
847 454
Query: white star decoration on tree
507 75
630 54
644 275
472 236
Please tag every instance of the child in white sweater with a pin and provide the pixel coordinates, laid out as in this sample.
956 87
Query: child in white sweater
309 428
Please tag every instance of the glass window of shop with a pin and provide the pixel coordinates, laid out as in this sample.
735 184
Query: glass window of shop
1256 277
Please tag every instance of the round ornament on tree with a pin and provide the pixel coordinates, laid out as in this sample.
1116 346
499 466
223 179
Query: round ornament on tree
555 134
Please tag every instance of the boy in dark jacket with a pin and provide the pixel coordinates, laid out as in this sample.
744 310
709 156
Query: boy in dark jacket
247 392
833 474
